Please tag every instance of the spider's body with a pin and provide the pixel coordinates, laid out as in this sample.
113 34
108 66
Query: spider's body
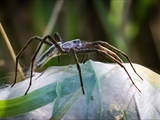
76 43
58 47
53 51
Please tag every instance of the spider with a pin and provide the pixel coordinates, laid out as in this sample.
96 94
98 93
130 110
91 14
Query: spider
73 47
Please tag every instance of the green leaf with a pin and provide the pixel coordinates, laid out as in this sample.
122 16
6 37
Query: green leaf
109 94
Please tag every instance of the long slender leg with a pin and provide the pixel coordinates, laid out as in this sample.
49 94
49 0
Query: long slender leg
85 59
130 63
22 50
115 60
109 52
83 50
55 43
83 56
107 45
114 57
99 57
35 54
79 69
59 60
92 45
58 38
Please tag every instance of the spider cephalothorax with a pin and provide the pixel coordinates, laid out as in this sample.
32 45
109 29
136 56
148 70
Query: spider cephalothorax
73 47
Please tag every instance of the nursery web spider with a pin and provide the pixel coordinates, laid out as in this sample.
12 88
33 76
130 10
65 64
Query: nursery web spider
73 47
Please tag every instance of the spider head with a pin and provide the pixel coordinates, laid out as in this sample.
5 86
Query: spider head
76 43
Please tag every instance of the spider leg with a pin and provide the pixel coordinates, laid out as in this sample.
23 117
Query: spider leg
84 58
58 38
118 62
109 54
105 44
35 54
22 50
59 60
79 68
96 45
100 57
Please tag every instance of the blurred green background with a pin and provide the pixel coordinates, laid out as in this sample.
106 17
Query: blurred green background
133 26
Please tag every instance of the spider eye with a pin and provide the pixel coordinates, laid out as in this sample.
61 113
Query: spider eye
74 41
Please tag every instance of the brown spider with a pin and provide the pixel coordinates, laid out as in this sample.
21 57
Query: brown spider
73 47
